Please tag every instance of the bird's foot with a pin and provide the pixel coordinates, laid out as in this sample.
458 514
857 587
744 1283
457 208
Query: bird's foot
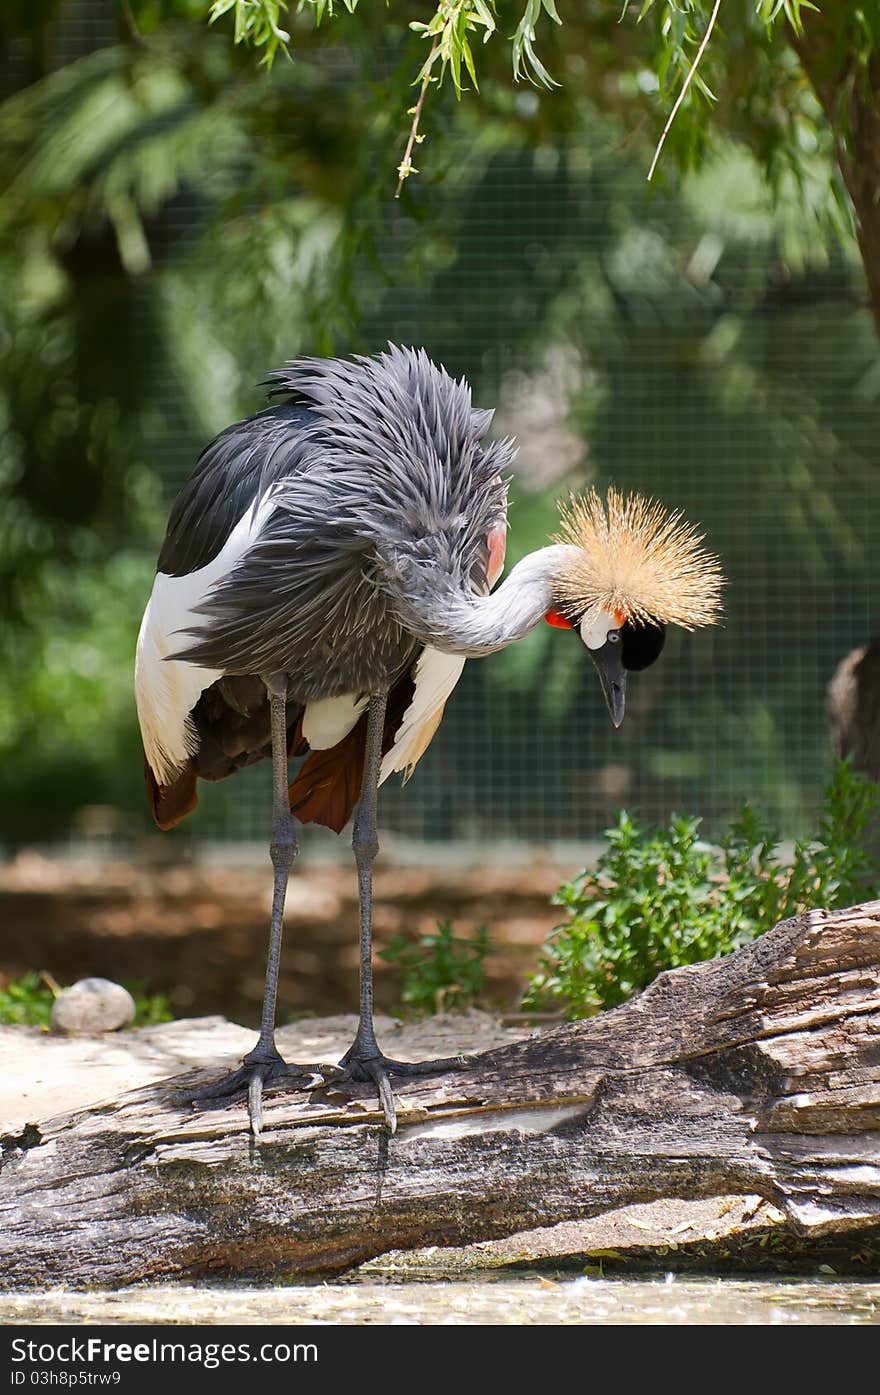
362 1064
259 1068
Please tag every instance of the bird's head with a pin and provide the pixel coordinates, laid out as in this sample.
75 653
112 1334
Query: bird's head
632 568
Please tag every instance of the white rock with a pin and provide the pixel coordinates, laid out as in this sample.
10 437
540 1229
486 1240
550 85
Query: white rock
92 1005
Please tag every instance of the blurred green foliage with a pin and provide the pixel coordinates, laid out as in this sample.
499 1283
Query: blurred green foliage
176 221
27 1002
661 899
442 971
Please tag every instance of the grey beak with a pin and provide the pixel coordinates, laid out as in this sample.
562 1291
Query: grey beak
612 676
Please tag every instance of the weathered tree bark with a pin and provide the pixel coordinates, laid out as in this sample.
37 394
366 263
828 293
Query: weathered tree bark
849 92
755 1074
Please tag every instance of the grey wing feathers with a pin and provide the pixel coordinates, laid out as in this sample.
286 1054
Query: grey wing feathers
424 480
387 461
231 474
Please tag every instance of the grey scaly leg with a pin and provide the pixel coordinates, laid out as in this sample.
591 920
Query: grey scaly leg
365 842
364 1060
282 850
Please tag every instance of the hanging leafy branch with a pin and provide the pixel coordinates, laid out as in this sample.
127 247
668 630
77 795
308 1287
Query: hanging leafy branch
683 30
257 22
449 31
683 25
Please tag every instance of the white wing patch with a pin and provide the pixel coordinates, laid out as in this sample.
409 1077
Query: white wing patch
435 676
167 690
327 721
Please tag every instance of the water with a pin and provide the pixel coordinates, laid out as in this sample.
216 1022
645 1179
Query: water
540 1298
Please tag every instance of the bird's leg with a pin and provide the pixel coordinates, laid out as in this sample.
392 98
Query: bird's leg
363 1060
365 842
264 1063
265 1058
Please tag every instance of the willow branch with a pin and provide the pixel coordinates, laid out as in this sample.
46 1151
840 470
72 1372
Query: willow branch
405 167
685 85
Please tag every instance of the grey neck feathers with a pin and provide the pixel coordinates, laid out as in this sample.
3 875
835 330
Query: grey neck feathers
449 618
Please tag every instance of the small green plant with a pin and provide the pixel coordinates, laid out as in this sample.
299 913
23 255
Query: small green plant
27 1002
442 972
659 900
150 1008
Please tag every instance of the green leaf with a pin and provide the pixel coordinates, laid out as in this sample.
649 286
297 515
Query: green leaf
469 63
486 17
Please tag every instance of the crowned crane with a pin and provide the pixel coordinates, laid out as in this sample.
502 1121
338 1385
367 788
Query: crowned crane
327 570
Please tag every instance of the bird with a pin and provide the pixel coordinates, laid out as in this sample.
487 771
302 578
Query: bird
327 570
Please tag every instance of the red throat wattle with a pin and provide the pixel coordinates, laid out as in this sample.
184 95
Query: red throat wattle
557 619
497 540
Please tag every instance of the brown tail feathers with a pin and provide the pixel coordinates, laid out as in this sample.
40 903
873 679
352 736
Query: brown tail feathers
329 784
171 803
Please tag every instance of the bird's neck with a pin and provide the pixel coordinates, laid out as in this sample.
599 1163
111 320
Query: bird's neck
455 622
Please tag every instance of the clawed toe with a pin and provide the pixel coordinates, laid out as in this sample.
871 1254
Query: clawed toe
378 1074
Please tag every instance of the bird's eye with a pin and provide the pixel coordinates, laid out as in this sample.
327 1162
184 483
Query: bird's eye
613 637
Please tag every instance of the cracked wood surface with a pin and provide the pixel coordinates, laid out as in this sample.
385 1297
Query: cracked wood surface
757 1074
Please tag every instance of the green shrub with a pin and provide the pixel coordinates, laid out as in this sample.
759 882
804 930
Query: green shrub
662 899
442 972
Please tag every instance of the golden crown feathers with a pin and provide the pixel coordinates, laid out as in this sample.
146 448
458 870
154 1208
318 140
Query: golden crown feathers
636 557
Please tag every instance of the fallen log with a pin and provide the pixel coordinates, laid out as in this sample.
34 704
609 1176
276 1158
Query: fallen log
753 1075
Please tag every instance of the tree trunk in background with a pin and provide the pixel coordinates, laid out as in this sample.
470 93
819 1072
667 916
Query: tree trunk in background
854 708
854 715
848 90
